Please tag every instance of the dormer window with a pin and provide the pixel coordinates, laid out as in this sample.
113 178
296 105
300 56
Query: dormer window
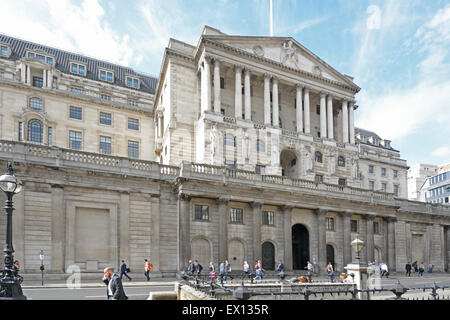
43 58
4 51
78 68
106 75
132 82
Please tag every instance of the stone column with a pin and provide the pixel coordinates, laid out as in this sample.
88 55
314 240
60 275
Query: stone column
217 102
347 237
362 234
222 204
330 125
370 241
206 86
160 128
321 240
184 229
247 97
447 248
238 92
28 75
275 114
351 123
287 230
391 242
267 99
307 111
298 109
58 228
344 121
257 221
124 226
323 117
18 226
339 240
155 237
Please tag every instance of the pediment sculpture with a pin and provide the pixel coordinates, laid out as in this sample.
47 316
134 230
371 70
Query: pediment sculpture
289 53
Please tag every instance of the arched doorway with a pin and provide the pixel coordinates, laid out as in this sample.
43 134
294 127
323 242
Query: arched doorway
268 256
377 255
300 246
289 164
330 256
236 253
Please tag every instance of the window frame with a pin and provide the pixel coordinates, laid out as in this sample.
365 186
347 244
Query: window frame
133 79
128 124
70 139
138 148
330 224
30 99
73 108
341 161
102 113
106 71
318 157
260 146
268 218
100 144
202 215
227 138
78 65
31 133
354 225
236 210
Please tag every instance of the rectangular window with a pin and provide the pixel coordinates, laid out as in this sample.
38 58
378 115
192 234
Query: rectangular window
30 55
38 82
133 103
329 223
201 212
133 149
260 146
78 69
105 97
75 113
4 51
396 190
371 185
105 145
105 118
222 112
40 57
75 140
376 227
395 173
370 169
383 187
230 140
222 83
50 136
103 75
50 61
268 218
237 215
109 76
383 172
260 169
132 82
133 124
20 131
354 225
76 90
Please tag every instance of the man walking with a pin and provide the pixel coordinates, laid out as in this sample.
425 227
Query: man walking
222 272
115 289
147 268
228 269
190 268
197 268
310 268
384 270
408 268
421 269
124 270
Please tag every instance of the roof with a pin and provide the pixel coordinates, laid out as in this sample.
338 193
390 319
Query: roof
365 132
63 59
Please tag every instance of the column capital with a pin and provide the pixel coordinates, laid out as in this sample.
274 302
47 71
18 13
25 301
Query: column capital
267 75
208 58
369 217
238 68
299 86
320 212
222 201
256 204
286 208
323 94
346 214
217 61
275 79
390 219
184 196
247 71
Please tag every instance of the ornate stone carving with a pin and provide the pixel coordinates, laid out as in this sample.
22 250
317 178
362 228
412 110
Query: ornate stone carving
317 71
332 163
289 53
354 168
308 159
246 145
258 50
215 140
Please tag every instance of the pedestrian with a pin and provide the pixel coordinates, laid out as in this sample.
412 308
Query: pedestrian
310 268
228 270
16 268
258 270
147 267
114 289
330 271
280 267
190 268
408 268
245 270
124 271
212 271
421 269
430 268
416 269
384 270
222 273
197 268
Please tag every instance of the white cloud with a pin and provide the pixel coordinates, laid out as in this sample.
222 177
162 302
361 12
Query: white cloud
374 19
80 27
442 152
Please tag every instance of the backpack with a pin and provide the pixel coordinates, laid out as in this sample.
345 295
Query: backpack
150 266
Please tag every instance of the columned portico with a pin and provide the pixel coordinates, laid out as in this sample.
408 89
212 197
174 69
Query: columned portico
247 95
275 115
345 121
238 92
217 101
321 239
298 108
330 129
287 221
267 99
323 117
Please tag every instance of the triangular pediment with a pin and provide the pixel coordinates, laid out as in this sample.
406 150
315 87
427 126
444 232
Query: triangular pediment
287 51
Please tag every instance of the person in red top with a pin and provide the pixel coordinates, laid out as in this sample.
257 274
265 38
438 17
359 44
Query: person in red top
147 268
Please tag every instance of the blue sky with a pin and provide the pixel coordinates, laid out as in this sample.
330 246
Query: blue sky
398 51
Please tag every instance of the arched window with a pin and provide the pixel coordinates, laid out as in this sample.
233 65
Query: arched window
35 130
36 104
341 161
318 156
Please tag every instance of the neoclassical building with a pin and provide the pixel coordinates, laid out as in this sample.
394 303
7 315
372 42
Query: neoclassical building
244 148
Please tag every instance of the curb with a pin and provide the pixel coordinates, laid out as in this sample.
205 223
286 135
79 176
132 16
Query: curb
99 285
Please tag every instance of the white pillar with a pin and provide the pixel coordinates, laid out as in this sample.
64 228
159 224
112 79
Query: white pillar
351 123
238 93
160 128
205 86
266 99
298 106
50 79
275 116
217 86
344 121
28 75
330 117
44 78
247 97
307 111
323 118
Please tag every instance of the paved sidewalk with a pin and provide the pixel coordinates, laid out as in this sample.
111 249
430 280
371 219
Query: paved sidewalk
94 284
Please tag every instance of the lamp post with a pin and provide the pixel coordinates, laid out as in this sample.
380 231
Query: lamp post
10 288
357 245
358 270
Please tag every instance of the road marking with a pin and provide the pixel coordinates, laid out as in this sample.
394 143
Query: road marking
129 295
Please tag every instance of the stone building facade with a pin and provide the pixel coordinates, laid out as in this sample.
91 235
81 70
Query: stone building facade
247 149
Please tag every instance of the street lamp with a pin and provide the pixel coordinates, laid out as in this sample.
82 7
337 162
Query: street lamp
10 288
357 245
